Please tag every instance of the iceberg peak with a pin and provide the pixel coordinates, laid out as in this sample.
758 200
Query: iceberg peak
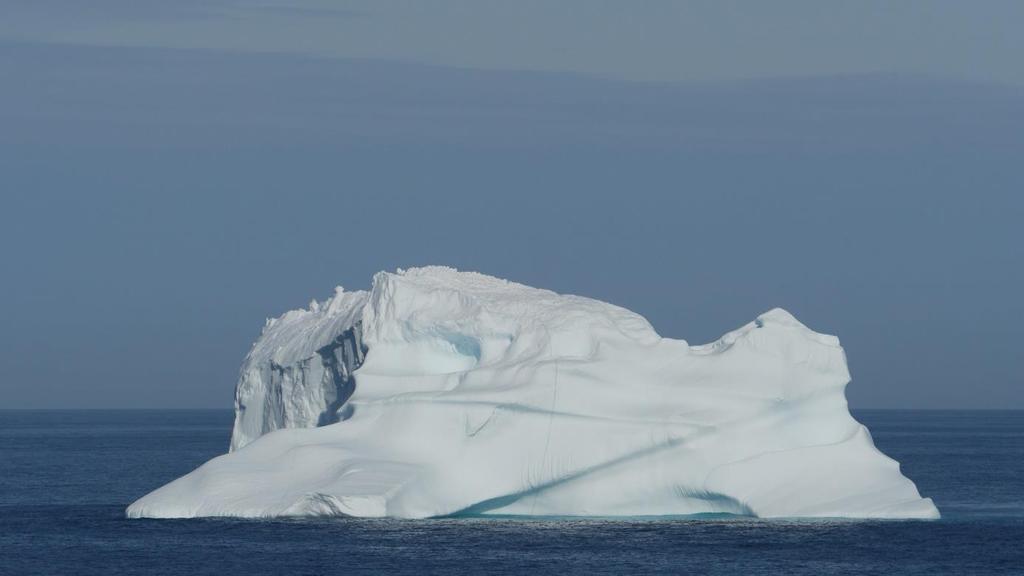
780 316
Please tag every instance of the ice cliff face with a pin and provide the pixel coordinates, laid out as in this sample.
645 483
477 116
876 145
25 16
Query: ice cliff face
299 374
441 392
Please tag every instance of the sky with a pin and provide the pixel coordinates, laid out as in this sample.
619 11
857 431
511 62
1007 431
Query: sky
172 174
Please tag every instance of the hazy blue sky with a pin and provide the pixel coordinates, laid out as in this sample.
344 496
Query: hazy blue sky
174 173
651 40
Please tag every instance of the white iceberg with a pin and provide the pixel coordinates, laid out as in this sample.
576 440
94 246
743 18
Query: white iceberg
441 392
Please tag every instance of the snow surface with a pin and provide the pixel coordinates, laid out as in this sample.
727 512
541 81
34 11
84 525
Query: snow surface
441 392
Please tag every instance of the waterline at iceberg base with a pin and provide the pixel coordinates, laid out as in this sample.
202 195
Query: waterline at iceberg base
439 392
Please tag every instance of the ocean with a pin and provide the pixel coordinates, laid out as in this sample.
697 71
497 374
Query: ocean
66 477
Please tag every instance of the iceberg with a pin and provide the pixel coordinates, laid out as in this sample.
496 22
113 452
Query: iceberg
440 393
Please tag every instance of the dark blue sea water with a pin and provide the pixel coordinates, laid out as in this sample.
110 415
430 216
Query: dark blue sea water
66 476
